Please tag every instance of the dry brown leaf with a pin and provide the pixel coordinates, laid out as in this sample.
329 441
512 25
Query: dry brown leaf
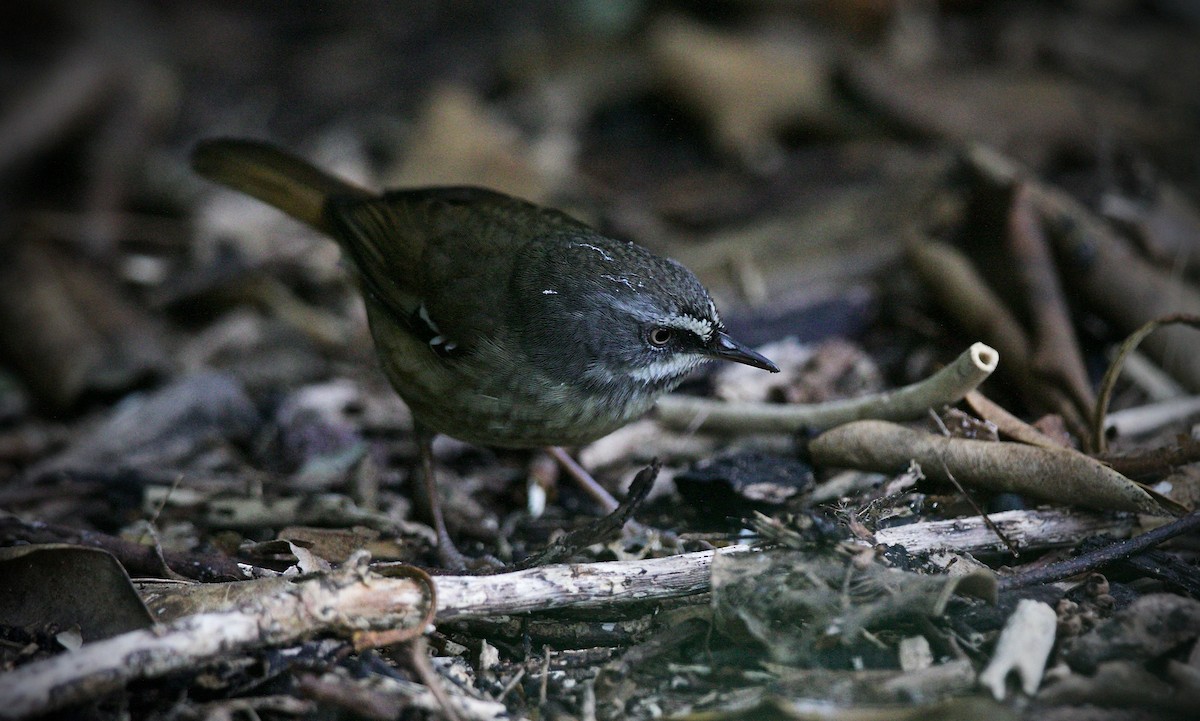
747 86
1059 475
457 141
1028 115
55 587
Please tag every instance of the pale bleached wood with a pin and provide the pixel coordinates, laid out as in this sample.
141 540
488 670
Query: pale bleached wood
345 601
352 599
594 585
1027 530
582 585
1024 647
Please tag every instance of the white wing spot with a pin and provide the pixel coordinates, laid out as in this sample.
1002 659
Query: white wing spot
440 342
424 315
549 292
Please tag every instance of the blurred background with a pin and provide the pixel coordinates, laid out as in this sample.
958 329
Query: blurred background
868 185
782 149
788 152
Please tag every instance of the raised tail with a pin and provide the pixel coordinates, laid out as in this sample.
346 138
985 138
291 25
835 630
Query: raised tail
274 176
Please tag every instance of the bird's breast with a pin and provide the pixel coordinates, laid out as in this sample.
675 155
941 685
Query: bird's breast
493 396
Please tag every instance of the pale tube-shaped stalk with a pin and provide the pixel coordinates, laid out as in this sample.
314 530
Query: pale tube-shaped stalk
946 387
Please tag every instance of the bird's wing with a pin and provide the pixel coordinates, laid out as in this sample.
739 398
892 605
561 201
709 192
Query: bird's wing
443 256
385 242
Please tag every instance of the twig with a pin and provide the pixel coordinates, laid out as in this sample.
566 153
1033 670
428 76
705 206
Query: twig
350 601
598 492
1008 424
585 585
1027 530
1151 417
1115 281
346 601
1114 369
962 292
1155 462
602 529
945 387
1174 572
982 514
598 585
419 658
1056 352
1100 557
512 683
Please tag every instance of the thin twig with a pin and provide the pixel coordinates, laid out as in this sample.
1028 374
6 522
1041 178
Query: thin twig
418 656
963 492
600 530
1114 369
545 680
589 485
1056 353
1103 556
512 683
982 514
1008 424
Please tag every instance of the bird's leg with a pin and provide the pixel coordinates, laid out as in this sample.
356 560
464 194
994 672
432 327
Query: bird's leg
448 553
583 478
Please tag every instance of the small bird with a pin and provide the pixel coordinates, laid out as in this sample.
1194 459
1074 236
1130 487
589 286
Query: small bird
498 322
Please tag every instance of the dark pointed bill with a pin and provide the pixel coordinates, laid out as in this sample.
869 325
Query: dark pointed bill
726 348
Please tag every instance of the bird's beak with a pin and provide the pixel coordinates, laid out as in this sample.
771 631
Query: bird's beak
726 348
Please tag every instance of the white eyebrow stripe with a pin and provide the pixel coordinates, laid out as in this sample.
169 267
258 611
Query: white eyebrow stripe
699 326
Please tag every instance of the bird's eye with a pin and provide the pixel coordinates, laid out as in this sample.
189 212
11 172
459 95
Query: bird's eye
661 336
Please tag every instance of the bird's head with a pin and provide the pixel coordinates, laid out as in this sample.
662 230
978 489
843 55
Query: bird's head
611 314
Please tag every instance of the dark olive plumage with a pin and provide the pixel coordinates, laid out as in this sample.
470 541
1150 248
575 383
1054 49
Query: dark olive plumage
497 321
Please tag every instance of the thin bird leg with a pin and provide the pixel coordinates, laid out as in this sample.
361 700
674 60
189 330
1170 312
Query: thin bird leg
583 478
430 504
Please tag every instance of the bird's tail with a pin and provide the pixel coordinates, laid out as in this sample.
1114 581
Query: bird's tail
274 176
